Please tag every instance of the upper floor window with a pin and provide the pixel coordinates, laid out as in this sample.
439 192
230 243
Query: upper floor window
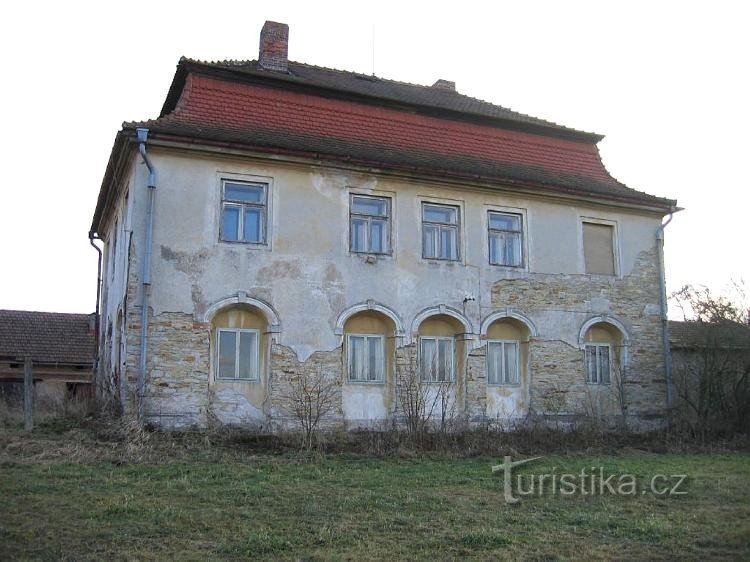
505 239
598 363
440 232
502 362
370 224
366 357
237 354
244 208
599 248
436 358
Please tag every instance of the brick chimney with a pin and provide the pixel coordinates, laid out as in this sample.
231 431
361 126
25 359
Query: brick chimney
445 85
274 46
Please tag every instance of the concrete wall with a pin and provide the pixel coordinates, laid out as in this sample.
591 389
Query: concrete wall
307 280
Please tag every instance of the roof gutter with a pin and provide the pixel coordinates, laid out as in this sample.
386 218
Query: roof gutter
142 135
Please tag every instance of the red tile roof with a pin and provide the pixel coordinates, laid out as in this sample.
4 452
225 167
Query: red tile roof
46 337
346 117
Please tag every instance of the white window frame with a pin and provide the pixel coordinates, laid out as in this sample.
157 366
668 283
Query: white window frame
615 244
503 375
597 379
440 226
255 359
387 218
520 232
350 357
437 340
242 205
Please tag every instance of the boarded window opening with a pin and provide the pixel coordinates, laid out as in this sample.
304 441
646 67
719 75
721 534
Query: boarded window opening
598 248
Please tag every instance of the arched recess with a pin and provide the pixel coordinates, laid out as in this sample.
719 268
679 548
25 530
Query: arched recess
273 321
441 310
608 321
370 305
509 313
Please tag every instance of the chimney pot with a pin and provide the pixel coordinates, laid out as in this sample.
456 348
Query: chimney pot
274 46
445 85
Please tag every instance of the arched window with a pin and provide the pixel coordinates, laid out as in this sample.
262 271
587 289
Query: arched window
370 345
437 348
507 350
603 343
239 340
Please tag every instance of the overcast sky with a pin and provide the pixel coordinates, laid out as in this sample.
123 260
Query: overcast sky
666 82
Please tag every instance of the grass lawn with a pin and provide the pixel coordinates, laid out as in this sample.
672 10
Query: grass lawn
346 507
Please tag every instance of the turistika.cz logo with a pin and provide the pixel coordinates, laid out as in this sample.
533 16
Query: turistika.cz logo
590 481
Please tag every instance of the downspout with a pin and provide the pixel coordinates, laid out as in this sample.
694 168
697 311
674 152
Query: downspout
663 303
146 271
93 236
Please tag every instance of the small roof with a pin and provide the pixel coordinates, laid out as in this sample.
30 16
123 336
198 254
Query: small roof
696 335
47 337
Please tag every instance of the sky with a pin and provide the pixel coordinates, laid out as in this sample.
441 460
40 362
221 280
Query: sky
666 82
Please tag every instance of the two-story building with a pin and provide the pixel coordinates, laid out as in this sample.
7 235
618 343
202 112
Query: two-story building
280 220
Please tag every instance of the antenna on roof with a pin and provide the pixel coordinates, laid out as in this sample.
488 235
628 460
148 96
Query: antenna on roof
373 49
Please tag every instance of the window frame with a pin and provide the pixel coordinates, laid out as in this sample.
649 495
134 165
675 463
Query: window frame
243 205
503 343
597 346
437 340
440 226
583 219
388 219
520 232
256 358
349 357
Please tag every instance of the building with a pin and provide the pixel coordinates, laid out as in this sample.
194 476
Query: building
279 221
60 347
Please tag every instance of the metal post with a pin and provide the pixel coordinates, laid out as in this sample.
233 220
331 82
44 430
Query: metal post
28 395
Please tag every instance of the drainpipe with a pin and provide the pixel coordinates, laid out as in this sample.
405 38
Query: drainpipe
663 302
93 236
146 272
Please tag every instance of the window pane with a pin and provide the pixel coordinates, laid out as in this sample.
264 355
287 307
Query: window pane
374 358
494 362
248 368
378 242
369 206
445 360
435 213
448 246
504 221
591 363
603 364
227 354
511 363
356 358
253 225
429 241
359 235
244 192
230 223
505 248
429 359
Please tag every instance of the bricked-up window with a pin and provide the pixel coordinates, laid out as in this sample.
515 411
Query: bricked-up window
237 354
436 359
598 363
370 224
366 354
502 362
440 232
598 248
505 239
243 211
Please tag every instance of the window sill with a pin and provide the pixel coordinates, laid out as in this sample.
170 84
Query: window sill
243 381
365 383
504 385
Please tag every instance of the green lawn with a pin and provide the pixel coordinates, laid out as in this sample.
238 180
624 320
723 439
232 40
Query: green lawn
344 507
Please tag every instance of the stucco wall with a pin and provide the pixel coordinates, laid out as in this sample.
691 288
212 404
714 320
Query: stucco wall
309 278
